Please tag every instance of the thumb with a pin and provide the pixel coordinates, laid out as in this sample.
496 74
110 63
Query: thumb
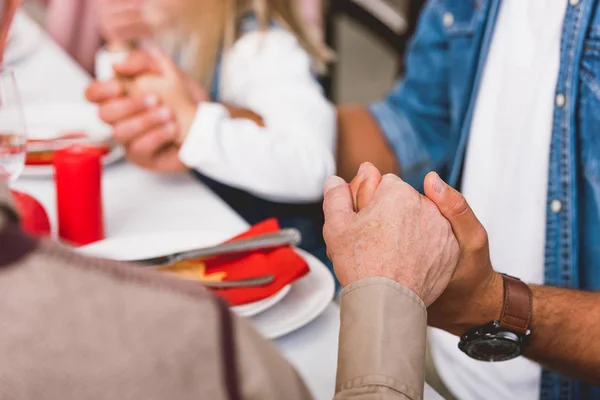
364 185
338 204
137 63
466 227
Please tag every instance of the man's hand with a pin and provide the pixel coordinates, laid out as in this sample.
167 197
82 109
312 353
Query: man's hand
474 296
399 235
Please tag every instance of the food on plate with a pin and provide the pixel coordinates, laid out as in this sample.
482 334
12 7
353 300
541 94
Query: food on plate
194 270
36 157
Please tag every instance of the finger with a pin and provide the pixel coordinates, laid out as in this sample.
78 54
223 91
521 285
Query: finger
163 62
355 184
144 148
137 63
337 204
122 108
102 91
368 186
468 230
128 130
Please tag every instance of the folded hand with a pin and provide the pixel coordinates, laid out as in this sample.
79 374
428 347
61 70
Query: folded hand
396 233
147 105
475 288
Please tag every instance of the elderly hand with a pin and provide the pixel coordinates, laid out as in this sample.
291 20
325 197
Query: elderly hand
122 21
398 234
475 288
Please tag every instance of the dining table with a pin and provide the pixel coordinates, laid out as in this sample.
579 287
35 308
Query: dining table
136 201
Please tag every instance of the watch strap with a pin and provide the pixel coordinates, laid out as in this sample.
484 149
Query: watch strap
517 307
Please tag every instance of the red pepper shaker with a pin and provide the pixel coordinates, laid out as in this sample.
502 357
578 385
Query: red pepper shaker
78 178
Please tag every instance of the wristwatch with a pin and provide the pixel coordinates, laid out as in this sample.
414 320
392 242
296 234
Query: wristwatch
505 338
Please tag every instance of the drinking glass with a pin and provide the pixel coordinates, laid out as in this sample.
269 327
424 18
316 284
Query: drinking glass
13 136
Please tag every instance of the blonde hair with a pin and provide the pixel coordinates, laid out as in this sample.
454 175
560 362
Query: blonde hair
211 26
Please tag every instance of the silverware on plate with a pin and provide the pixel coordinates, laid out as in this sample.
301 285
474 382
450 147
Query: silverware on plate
258 281
284 237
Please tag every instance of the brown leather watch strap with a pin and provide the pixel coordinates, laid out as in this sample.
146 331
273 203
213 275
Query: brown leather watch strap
516 311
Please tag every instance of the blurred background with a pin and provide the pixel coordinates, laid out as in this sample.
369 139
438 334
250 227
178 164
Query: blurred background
362 34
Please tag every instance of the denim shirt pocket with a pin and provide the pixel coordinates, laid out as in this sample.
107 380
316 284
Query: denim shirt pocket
589 111
461 21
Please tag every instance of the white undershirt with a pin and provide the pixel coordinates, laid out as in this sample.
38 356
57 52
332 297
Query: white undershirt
505 178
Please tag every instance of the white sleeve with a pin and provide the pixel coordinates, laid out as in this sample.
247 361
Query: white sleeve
289 159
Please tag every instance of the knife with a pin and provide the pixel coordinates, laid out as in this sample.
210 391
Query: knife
284 237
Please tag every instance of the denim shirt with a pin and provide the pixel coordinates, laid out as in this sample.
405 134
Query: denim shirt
427 119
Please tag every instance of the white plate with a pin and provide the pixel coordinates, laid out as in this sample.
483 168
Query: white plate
252 309
283 313
47 121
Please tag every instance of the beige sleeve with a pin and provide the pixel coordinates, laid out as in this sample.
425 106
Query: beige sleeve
264 374
382 342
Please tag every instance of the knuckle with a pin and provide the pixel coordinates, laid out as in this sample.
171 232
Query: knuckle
479 238
459 207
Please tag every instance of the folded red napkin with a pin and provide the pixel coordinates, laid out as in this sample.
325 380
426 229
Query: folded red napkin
283 262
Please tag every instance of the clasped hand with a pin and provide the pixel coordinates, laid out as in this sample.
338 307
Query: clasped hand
151 105
434 245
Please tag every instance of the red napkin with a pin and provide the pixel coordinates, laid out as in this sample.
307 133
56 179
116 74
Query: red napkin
283 262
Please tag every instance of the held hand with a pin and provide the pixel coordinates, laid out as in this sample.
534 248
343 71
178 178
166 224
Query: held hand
399 235
474 296
174 89
146 129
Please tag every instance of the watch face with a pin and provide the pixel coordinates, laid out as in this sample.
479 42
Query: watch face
493 349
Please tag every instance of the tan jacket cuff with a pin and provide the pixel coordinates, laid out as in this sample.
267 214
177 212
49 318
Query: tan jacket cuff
382 338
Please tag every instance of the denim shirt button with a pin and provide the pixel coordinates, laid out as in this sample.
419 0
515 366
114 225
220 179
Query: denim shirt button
555 206
448 19
574 3
560 100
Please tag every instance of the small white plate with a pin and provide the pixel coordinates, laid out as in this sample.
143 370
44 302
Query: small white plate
252 309
290 309
48 121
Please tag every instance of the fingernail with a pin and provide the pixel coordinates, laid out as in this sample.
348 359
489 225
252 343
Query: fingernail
151 101
332 182
362 171
164 114
438 184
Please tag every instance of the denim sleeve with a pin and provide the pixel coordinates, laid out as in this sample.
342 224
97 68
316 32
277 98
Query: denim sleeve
415 115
